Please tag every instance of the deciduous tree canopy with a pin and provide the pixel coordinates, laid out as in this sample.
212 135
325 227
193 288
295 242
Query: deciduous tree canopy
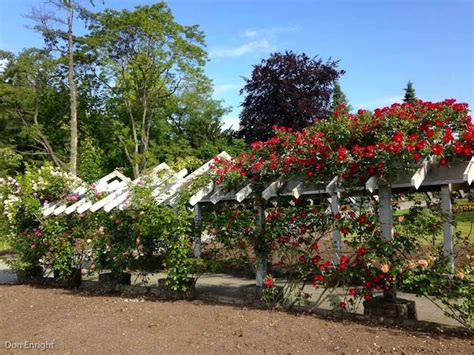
287 89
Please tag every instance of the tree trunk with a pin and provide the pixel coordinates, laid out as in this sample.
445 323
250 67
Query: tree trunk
72 90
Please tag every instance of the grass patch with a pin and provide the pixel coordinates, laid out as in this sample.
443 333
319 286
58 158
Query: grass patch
4 246
465 224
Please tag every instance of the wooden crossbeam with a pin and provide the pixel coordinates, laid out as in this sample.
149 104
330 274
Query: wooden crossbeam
243 193
331 187
420 174
297 190
198 196
372 184
468 174
273 188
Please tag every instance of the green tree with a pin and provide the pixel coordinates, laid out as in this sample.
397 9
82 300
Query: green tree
57 28
32 106
410 95
339 98
143 55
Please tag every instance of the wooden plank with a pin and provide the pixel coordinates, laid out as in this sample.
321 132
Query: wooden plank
217 194
336 234
386 212
118 200
421 172
198 196
243 193
297 190
261 271
372 184
84 207
197 230
273 188
75 206
468 174
331 187
106 200
49 208
446 208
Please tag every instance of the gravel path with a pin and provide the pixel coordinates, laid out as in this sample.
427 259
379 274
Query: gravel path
81 323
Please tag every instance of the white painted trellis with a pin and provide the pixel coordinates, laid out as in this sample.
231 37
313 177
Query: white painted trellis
429 176
167 184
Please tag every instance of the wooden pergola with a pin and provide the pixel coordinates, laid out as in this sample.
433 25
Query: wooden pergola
429 177
168 184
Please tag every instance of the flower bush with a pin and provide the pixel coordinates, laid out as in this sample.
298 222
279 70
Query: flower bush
386 143
21 201
122 240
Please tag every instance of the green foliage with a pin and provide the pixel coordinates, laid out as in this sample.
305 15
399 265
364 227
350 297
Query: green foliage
91 161
339 100
9 161
410 95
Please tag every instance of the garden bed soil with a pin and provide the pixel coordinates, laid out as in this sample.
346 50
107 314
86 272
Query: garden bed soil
80 322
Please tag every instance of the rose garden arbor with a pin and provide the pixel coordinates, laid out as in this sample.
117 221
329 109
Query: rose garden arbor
429 177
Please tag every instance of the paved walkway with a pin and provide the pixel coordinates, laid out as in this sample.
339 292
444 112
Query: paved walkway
229 289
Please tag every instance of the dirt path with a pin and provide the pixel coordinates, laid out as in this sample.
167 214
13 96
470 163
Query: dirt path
77 323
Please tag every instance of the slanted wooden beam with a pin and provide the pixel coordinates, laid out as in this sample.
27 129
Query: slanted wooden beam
198 196
331 187
372 184
243 193
420 174
446 207
469 172
298 190
273 188
109 198
49 208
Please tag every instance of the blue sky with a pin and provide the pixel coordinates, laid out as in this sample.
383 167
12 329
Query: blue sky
380 43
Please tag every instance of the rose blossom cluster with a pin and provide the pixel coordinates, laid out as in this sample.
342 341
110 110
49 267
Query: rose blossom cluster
358 146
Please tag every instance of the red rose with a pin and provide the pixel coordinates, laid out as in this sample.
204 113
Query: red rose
362 219
352 291
361 251
268 282
344 259
437 149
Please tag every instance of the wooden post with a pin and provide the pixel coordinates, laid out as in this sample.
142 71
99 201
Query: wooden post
447 225
336 234
197 230
386 227
261 271
385 212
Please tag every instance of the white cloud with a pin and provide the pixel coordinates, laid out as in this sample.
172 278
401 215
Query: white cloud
225 88
262 45
378 102
268 32
258 40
